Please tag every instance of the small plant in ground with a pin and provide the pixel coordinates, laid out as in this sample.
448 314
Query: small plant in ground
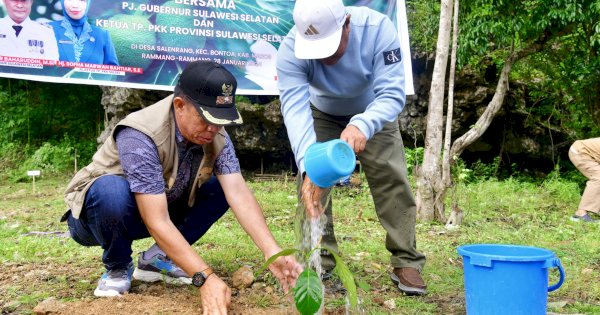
308 291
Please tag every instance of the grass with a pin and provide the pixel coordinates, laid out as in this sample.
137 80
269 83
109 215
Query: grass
510 212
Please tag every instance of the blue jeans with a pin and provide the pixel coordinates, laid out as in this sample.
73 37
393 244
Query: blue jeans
110 218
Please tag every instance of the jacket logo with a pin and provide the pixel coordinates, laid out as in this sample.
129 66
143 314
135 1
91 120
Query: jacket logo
392 56
311 30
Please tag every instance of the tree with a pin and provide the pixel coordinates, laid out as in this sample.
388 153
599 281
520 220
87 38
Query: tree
455 218
507 32
429 182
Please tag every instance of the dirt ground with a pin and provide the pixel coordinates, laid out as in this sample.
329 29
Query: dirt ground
69 290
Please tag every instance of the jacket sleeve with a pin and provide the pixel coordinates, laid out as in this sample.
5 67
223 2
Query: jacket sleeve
388 81
110 54
292 76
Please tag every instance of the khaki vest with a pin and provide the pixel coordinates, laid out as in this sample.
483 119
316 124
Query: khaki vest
158 123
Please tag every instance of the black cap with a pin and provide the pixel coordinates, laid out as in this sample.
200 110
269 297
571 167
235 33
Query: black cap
211 88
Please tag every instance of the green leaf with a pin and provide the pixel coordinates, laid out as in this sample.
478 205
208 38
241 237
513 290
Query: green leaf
285 252
363 285
342 270
308 293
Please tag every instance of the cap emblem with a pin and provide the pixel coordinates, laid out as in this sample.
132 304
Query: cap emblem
226 98
311 30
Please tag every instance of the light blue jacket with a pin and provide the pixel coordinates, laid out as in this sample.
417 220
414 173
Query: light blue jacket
98 47
367 83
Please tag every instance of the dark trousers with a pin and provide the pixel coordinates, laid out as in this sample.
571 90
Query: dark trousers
384 165
110 218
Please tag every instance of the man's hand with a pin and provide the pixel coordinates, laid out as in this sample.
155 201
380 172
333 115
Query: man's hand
286 269
215 296
355 138
311 198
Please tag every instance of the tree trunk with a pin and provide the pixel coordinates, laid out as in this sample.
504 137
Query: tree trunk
455 218
494 106
490 111
429 180
430 185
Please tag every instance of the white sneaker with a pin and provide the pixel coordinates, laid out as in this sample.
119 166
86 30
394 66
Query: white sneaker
114 282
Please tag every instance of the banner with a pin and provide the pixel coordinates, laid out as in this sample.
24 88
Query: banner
146 44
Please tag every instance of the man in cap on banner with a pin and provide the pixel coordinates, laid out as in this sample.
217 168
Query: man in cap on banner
341 75
170 171
22 37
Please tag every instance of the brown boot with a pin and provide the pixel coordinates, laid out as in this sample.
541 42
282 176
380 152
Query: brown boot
409 281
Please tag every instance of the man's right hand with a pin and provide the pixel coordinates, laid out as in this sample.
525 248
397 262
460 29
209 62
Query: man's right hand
215 296
355 138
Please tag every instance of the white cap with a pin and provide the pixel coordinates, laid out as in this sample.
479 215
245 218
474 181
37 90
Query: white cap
319 26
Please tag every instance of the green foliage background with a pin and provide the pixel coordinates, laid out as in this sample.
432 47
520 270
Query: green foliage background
42 125
563 79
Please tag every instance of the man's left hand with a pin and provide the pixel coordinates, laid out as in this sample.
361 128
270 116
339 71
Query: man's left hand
355 138
311 198
286 269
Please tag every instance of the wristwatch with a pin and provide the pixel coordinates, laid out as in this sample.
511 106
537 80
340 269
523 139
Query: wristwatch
200 277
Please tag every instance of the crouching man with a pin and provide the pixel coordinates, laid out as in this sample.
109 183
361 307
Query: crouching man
169 171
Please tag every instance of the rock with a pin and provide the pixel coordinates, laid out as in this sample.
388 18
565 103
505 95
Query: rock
390 304
10 307
257 285
142 287
48 306
38 274
355 181
269 290
435 277
118 102
558 304
372 267
242 278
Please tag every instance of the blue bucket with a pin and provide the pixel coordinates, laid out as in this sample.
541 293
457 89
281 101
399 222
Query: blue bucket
508 279
328 162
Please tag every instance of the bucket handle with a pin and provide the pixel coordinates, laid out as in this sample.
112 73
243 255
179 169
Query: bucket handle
555 262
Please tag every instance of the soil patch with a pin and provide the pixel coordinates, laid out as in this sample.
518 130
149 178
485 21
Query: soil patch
69 290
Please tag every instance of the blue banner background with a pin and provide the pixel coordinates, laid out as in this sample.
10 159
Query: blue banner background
160 37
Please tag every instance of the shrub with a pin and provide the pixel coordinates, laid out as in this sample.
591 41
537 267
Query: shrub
414 157
49 158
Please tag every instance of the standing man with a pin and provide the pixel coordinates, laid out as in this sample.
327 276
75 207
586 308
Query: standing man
22 37
341 75
585 155
169 171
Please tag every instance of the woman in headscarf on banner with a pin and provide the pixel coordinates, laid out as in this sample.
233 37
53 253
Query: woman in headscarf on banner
78 40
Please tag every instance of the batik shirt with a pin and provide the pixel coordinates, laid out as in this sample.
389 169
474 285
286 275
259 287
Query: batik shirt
143 170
